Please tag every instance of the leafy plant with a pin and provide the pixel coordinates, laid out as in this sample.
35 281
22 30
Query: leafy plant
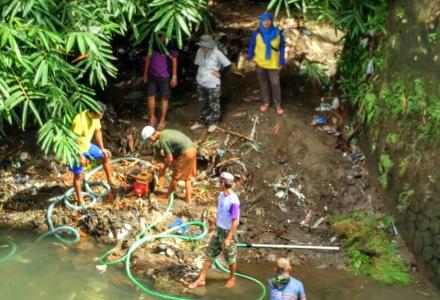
433 38
393 138
315 71
405 198
385 165
52 55
403 167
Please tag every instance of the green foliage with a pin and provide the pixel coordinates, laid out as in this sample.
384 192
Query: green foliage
315 72
370 249
52 54
356 17
394 99
393 138
385 165
433 38
405 198
403 167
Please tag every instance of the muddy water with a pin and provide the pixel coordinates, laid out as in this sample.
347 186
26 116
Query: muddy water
52 271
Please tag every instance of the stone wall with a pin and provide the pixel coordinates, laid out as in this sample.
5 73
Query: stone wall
413 55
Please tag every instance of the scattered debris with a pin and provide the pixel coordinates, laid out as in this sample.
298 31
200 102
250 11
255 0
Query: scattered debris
307 219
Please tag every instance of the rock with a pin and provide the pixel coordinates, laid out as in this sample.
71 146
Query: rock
427 238
428 253
418 242
265 238
135 95
169 252
160 248
146 260
271 257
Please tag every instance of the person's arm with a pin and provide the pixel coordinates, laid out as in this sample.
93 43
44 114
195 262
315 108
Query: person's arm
78 130
225 65
147 65
100 142
224 70
168 153
235 213
173 82
282 50
302 294
252 43
231 234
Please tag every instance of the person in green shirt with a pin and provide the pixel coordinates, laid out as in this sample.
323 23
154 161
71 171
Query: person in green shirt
180 155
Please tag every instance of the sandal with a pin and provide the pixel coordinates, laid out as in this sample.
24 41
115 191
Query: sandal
280 111
264 107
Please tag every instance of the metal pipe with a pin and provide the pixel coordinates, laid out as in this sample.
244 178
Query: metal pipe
290 247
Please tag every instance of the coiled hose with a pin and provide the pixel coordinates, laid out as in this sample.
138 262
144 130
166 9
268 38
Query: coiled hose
141 238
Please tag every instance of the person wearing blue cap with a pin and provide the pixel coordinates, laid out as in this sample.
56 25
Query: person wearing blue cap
266 49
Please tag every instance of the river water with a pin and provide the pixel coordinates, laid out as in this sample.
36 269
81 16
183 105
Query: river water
52 271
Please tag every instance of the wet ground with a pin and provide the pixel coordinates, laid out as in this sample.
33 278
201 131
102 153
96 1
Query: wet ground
286 145
52 271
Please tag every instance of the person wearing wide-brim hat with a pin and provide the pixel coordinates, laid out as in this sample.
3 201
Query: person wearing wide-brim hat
212 65
180 155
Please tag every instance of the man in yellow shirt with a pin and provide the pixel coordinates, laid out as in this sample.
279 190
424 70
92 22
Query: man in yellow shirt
86 125
266 49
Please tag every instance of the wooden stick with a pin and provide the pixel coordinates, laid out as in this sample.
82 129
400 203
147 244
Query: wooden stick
235 133
226 161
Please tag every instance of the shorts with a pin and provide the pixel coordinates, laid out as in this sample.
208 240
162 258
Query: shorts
185 165
93 153
158 86
216 246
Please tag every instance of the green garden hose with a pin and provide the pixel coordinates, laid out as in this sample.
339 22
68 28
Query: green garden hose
141 237
12 249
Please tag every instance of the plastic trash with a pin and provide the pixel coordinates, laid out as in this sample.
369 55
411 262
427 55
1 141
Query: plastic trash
327 106
101 268
221 152
181 230
24 156
370 68
319 120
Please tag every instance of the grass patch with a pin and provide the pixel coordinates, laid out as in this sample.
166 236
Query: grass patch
370 249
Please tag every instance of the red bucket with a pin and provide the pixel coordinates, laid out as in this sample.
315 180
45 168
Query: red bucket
140 189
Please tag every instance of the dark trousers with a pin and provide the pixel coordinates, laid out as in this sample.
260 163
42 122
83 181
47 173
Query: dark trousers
269 81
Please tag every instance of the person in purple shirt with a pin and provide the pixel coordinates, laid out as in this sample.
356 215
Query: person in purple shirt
224 240
159 80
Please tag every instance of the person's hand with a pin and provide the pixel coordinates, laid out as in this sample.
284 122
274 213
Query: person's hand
162 153
169 160
106 153
83 161
145 78
227 244
173 82
216 74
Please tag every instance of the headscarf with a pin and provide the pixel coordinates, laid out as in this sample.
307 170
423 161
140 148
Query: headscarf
268 34
280 281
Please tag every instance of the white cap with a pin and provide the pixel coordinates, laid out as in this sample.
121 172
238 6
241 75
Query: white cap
227 177
147 132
